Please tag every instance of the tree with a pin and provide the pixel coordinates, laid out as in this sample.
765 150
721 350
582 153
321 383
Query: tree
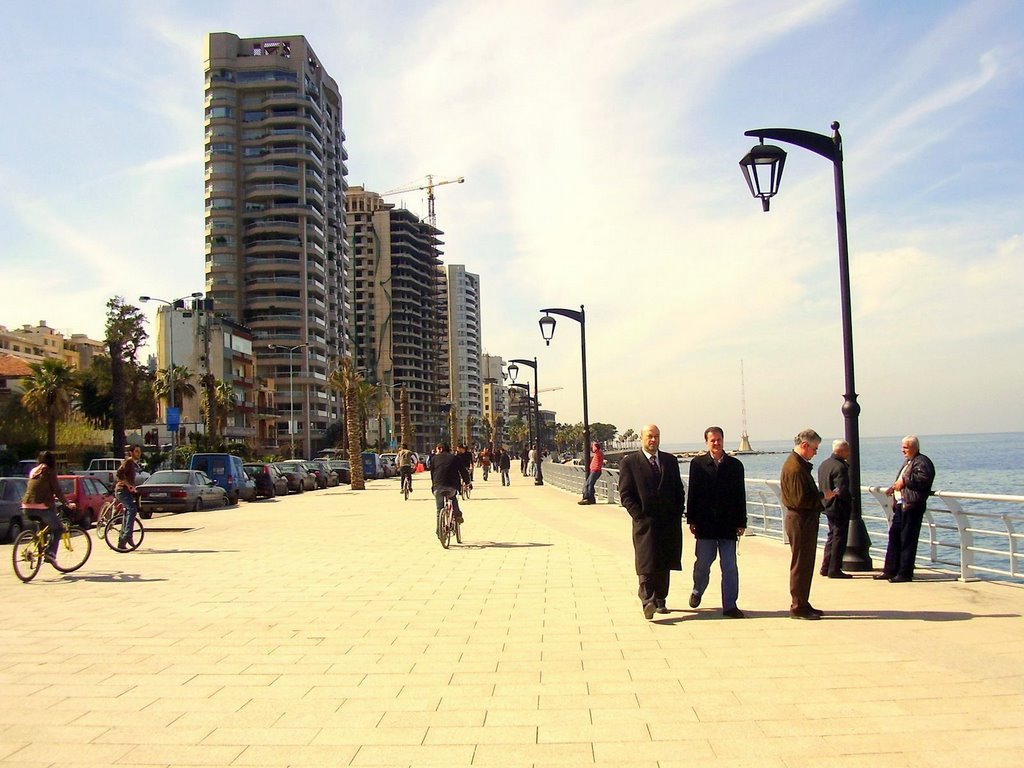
183 386
516 430
125 334
406 422
366 394
470 421
602 433
95 398
344 379
48 393
225 403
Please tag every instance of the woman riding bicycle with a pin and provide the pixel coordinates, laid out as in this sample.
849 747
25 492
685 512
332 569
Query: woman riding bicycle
40 493
124 492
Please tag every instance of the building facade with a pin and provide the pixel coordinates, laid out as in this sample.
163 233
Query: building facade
465 383
277 256
398 314
35 343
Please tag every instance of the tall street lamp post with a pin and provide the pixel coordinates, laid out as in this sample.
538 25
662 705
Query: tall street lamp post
291 393
178 303
547 330
762 169
529 423
513 371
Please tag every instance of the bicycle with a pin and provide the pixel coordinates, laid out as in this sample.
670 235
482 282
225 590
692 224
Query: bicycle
31 546
466 488
112 532
406 484
109 509
448 523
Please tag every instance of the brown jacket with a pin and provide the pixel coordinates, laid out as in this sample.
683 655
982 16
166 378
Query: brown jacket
799 493
43 487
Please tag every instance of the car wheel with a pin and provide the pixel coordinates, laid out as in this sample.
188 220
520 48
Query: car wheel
15 530
145 515
273 492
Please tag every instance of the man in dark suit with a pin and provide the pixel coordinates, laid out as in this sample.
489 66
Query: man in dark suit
834 483
716 511
651 490
910 494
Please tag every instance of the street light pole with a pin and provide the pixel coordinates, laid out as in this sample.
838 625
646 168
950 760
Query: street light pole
539 479
291 393
547 330
529 423
772 159
170 364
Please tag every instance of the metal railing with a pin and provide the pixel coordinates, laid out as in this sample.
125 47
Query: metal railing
970 535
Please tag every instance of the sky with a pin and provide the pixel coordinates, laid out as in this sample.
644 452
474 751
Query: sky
600 143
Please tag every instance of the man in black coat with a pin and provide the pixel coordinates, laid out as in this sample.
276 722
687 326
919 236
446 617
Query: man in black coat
834 483
716 511
910 494
651 490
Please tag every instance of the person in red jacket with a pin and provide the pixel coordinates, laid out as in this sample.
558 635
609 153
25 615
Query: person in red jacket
593 474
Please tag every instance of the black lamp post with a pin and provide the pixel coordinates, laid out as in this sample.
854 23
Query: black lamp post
762 169
513 370
291 392
547 330
529 423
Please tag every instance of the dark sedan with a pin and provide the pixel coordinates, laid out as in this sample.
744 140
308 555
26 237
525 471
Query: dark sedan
181 490
270 482
299 478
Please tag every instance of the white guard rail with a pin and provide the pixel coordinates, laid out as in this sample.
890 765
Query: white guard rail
972 535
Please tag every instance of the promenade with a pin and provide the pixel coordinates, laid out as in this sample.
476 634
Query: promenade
331 629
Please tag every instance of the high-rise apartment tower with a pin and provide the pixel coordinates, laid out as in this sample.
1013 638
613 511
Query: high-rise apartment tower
276 245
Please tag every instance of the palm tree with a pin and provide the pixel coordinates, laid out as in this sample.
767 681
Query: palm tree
344 379
226 403
366 394
48 393
183 386
405 421
470 421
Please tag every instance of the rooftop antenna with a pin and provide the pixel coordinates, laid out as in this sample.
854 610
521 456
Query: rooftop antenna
744 438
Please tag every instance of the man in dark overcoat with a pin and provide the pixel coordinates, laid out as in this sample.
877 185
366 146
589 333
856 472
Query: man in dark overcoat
651 490
834 483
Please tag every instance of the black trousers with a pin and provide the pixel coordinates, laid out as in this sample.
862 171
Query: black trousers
653 586
904 531
835 542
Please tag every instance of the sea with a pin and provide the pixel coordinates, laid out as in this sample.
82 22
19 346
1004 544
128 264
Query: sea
974 463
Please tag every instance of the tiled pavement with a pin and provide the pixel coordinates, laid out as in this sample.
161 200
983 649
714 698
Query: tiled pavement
331 629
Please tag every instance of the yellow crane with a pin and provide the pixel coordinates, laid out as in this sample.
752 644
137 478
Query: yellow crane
432 181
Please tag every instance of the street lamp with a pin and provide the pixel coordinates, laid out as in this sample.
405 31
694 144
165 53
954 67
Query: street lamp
291 392
529 424
762 169
170 353
513 370
547 330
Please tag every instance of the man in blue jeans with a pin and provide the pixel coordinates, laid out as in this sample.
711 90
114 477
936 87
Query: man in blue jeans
716 512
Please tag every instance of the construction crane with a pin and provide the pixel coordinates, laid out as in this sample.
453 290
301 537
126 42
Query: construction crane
549 389
432 181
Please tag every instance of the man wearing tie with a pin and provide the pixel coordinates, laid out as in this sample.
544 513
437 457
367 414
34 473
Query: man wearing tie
651 490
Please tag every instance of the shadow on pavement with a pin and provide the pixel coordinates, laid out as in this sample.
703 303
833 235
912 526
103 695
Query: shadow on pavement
501 544
110 576
149 551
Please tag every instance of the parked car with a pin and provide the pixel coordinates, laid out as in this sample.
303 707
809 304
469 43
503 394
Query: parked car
342 469
226 470
389 461
299 479
88 494
269 480
179 490
106 469
12 489
325 476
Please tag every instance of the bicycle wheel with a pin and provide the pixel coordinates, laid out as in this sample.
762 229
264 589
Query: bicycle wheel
446 526
74 549
406 487
112 534
27 557
458 530
107 511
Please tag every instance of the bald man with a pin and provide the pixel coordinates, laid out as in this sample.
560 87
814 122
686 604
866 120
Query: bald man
651 490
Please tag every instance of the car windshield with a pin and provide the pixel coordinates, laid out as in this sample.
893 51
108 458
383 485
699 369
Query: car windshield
67 485
168 477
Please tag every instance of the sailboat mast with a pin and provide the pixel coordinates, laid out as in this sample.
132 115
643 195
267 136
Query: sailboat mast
744 438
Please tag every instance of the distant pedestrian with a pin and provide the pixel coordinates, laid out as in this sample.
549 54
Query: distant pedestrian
910 494
524 460
531 465
834 483
802 502
716 511
651 490
593 474
504 465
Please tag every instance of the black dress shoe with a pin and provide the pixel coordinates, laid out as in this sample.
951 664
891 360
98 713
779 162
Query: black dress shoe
882 577
694 600
901 579
840 575
803 613
660 606
734 613
815 611
649 609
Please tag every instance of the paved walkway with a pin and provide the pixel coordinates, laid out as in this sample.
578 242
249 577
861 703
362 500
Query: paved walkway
331 629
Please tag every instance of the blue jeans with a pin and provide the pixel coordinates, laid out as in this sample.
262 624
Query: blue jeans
707 550
590 484
130 511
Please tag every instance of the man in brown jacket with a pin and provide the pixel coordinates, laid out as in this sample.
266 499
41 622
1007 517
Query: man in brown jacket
802 502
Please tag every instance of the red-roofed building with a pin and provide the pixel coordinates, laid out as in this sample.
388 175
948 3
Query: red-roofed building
12 371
